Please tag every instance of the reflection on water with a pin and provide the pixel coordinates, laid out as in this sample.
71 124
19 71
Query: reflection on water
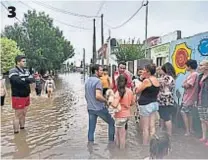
22 149
57 128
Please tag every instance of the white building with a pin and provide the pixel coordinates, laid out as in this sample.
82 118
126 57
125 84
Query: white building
159 52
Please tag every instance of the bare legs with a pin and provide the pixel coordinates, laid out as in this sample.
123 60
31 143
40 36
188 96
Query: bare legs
204 126
148 127
19 119
121 137
187 118
49 94
117 136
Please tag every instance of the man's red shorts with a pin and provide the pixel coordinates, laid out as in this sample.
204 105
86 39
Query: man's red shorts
20 102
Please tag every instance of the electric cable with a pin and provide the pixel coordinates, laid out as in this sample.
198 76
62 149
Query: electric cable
63 11
100 8
130 18
8 10
70 25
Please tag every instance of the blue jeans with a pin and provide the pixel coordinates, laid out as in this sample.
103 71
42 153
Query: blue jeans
103 114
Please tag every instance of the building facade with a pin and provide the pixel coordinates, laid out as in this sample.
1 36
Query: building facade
194 47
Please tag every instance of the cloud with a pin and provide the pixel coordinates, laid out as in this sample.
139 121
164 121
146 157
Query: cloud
164 17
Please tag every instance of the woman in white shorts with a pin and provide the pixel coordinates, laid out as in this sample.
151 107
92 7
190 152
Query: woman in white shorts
148 105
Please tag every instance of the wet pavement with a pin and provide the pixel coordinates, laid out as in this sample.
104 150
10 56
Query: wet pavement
57 129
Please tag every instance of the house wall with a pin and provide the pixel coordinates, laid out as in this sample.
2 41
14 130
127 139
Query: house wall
194 47
160 54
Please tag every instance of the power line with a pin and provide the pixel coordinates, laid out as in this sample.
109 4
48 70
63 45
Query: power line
130 18
8 10
25 5
70 25
63 11
100 8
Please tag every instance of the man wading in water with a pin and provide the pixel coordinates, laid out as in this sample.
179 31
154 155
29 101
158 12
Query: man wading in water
96 103
20 80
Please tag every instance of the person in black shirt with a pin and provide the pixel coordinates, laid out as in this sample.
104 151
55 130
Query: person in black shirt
38 84
20 80
148 105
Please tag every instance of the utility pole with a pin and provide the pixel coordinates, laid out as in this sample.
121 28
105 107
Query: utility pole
109 47
146 23
94 43
102 38
84 63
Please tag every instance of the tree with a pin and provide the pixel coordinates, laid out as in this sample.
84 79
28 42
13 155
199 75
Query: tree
44 45
9 51
128 52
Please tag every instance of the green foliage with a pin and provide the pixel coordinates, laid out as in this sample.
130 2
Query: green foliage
129 52
44 45
9 51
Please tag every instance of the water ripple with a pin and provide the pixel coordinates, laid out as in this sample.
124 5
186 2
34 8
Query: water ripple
57 129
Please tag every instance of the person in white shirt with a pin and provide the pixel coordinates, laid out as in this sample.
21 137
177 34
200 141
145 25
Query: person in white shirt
3 91
50 86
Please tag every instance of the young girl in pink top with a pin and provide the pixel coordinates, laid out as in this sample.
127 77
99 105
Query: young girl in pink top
124 96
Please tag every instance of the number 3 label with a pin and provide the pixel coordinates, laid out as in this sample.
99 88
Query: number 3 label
12 12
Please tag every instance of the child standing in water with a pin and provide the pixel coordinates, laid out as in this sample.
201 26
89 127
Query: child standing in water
123 96
50 86
159 146
38 84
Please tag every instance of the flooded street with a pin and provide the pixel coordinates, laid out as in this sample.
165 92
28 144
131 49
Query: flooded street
57 129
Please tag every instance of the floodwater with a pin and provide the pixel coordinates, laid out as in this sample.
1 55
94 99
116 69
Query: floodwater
57 129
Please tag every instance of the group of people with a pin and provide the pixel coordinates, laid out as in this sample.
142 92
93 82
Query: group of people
20 80
45 83
153 92
152 95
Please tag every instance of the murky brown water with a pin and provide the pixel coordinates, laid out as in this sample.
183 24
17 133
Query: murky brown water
57 129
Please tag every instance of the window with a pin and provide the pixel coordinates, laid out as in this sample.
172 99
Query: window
160 61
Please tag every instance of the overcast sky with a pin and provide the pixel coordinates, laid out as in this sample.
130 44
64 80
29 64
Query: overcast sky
190 17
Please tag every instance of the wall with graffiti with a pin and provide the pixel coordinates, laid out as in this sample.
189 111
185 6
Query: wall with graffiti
194 47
